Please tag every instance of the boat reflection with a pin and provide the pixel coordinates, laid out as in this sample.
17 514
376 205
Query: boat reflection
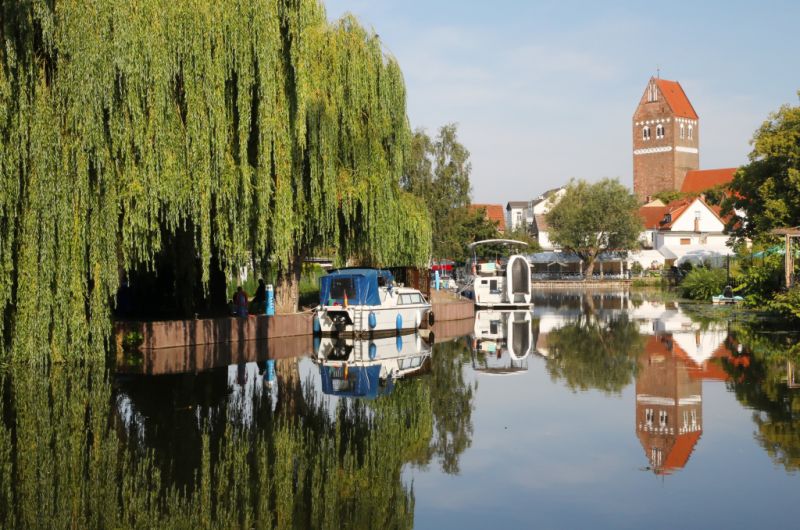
502 341
369 368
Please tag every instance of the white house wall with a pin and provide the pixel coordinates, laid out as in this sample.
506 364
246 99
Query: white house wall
709 222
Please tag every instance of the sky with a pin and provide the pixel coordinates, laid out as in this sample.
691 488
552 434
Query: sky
544 91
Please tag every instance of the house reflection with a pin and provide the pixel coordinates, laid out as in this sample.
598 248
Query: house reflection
669 405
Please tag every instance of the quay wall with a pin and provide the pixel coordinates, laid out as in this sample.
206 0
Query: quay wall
222 331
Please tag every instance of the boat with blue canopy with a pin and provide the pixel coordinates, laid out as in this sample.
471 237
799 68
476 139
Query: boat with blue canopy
365 302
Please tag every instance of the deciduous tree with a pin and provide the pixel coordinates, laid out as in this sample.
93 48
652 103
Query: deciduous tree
592 218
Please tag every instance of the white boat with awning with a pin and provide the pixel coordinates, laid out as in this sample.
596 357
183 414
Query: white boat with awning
367 302
498 280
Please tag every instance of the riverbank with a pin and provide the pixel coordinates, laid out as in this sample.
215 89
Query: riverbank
223 333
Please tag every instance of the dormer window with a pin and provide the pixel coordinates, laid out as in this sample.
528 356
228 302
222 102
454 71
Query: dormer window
659 131
667 219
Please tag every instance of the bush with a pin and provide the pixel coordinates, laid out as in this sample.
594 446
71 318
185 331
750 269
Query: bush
636 268
787 303
702 283
759 278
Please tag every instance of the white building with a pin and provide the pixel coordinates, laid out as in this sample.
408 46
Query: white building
539 208
518 215
685 230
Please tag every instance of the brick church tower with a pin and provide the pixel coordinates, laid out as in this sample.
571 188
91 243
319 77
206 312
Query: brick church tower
666 138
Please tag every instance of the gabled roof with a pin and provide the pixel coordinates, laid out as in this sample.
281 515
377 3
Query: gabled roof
676 98
541 222
700 180
516 204
494 212
654 216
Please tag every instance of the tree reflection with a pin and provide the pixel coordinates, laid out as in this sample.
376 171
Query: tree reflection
595 353
769 386
452 402
70 458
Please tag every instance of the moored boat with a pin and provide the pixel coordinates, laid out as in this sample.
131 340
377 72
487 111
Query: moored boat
499 282
364 302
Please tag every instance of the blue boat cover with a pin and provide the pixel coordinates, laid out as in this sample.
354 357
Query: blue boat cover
361 286
364 382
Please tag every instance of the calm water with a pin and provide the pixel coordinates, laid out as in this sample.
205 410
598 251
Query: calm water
605 410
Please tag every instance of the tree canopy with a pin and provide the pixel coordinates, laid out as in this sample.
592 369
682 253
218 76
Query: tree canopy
591 218
767 189
256 126
437 171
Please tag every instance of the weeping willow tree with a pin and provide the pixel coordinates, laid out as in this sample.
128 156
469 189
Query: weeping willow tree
257 127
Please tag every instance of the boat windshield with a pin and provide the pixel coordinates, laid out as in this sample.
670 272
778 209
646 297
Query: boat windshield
342 286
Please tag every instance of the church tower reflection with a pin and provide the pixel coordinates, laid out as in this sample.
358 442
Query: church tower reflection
669 405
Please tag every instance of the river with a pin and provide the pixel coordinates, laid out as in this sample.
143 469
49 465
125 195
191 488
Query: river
609 410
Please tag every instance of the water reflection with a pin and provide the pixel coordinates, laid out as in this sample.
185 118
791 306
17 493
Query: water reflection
214 438
502 341
369 368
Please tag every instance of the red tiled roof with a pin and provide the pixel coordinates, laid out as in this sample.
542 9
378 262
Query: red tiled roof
652 216
494 212
679 453
699 180
676 98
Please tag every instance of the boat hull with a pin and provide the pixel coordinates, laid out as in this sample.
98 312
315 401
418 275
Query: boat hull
370 321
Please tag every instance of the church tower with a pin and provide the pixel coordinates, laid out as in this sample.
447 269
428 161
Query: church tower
666 138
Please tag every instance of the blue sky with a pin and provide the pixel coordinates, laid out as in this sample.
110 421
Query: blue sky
544 91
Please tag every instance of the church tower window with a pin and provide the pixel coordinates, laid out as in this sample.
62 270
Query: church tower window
659 131
691 130
646 132
683 132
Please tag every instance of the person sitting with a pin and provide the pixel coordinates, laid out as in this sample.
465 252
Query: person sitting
240 302
260 298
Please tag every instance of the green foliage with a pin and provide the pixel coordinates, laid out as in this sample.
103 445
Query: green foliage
636 268
768 187
759 278
258 126
702 283
667 196
591 353
787 303
437 172
461 227
591 218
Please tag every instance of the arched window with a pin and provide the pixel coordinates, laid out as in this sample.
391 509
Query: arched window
659 131
646 132
683 132
691 131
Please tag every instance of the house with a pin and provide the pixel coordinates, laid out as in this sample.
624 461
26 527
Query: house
539 208
666 139
685 230
493 212
518 215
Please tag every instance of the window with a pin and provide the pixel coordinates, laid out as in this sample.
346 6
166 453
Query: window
646 132
686 241
659 131
683 132
340 286
690 132
663 417
652 93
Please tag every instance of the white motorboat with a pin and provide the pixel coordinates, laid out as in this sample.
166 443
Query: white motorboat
502 340
369 368
362 302
498 281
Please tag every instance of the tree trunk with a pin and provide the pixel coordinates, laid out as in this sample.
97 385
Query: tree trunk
589 270
287 287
